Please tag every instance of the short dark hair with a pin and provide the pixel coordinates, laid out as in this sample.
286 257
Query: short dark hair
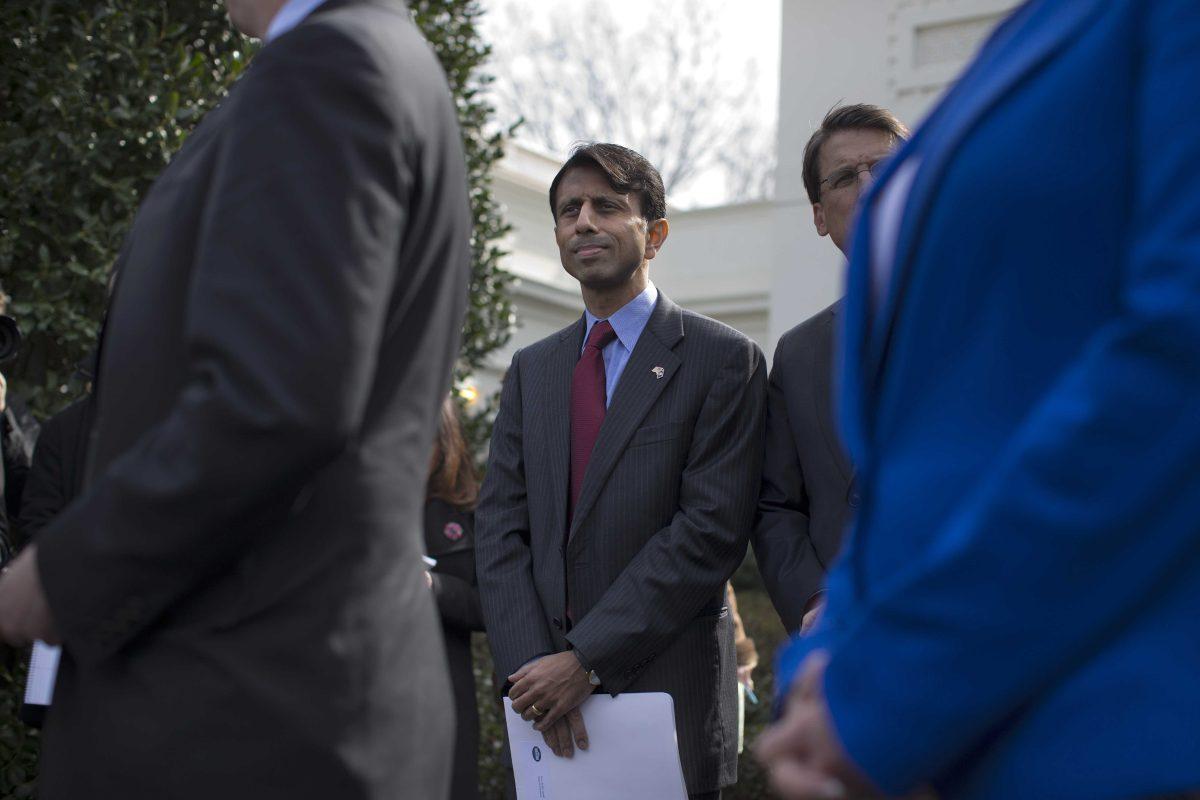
846 118
626 170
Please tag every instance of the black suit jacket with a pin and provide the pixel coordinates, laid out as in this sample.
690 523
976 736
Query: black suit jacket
14 468
662 521
807 494
57 474
239 588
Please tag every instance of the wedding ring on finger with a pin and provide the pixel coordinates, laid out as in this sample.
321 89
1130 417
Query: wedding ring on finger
537 712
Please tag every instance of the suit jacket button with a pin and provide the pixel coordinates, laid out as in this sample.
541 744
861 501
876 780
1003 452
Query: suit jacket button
557 623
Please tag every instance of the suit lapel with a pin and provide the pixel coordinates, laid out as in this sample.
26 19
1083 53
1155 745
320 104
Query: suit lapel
1042 28
556 424
636 393
823 397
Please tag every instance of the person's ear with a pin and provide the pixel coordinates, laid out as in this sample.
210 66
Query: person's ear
656 234
819 220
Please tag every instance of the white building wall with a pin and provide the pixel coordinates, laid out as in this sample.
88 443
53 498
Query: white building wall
717 261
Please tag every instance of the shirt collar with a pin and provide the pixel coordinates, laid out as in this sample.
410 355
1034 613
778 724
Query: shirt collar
630 320
289 16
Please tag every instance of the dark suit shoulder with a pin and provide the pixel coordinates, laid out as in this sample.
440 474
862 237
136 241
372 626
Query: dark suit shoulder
546 345
362 21
67 423
696 324
360 46
725 346
310 43
812 332
66 428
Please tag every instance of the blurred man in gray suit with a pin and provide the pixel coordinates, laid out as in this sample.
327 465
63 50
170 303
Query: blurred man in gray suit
620 489
808 491
239 588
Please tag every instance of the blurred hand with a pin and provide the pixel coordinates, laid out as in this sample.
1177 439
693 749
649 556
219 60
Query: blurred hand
548 692
812 616
3 392
429 579
802 753
24 611
745 676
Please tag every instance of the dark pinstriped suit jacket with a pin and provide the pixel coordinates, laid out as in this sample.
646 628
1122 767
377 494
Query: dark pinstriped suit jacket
808 494
662 521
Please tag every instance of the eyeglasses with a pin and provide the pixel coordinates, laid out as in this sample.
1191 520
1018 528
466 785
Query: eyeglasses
846 177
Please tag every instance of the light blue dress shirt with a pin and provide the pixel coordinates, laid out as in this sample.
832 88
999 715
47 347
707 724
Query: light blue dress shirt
289 16
628 322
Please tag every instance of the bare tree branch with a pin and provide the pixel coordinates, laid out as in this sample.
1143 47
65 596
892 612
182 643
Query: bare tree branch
662 89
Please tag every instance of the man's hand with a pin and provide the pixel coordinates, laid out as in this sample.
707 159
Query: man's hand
550 691
745 676
564 735
802 752
24 611
812 616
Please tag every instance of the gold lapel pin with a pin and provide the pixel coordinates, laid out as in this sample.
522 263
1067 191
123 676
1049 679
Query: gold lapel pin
659 372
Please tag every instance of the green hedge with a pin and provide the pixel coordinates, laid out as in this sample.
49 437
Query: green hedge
96 98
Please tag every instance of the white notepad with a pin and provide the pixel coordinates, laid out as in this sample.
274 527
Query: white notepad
43 669
632 753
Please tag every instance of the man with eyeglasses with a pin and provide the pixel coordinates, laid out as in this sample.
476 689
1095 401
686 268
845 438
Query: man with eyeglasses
807 493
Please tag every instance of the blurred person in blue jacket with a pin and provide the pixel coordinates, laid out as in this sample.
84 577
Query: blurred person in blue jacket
1015 613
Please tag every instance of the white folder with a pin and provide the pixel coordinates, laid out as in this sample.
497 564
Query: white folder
632 753
43 669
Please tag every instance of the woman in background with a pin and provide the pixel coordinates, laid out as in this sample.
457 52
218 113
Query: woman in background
450 498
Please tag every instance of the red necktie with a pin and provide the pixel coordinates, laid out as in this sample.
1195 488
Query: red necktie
588 403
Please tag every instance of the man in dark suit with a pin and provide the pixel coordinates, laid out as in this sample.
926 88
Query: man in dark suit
620 489
808 492
239 589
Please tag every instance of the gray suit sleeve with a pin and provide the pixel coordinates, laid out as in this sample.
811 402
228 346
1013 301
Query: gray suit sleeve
783 548
682 566
295 262
512 611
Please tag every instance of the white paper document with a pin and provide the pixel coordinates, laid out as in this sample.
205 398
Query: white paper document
632 753
43 669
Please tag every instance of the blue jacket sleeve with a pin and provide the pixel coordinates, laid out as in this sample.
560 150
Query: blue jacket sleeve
1062 516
